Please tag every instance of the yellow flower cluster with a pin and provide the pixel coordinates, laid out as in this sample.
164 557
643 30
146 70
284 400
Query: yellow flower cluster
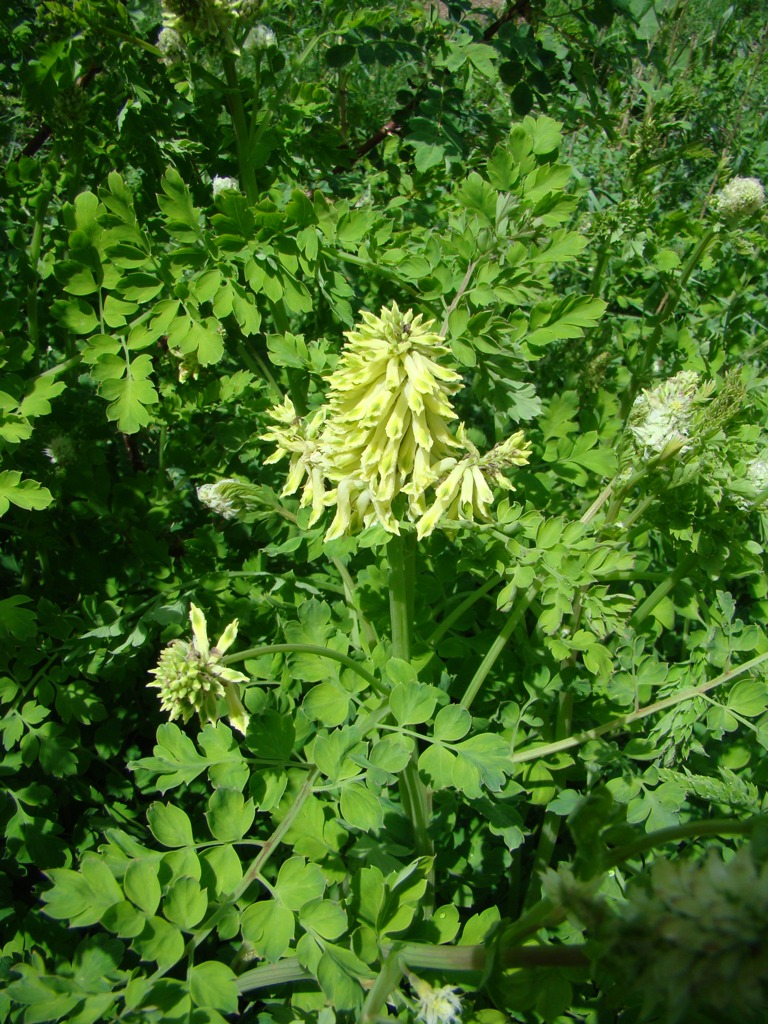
384 433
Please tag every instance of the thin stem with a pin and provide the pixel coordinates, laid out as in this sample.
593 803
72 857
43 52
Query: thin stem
547 749
550 826
320 652
439 632
498 646
662 590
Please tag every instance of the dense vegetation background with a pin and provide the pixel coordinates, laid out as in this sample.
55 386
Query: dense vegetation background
191 219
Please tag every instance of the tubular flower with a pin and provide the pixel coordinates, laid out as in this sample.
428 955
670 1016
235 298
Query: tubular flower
389 408
384 432
464 492
298 438
191 678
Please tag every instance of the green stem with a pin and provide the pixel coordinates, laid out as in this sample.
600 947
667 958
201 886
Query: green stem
320 652
550 826
448 959
675 833
415 796
251 874
498 646
440 631
664 588
35 245
547 749
240 127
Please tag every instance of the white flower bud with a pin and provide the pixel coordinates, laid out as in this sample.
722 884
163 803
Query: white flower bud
220 185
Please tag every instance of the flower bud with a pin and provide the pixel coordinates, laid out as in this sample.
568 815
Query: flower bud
739 199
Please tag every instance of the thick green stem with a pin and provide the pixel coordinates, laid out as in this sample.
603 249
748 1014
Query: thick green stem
240 127
448 959
416 797
677 833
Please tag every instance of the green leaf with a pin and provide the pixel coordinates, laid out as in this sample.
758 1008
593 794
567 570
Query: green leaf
478 196
160 941
170 825
183 218
176 760
269 927
77 315
26 494
298 883
81 897
391 753
142 885
437 762
413 703
748 697
212 983
340 974
482 758
229 815
482 57
185 903
328 703
226 868
452 723
546 135
325 918
124 920
16 620
361 808
128 400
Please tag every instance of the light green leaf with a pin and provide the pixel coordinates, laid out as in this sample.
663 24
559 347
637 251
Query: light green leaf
160 941
229 815
298 883
170 825
324 917
328 703
361 808
452 723
142 885
413 703
212 983
26 494
129 400
269 927
185 903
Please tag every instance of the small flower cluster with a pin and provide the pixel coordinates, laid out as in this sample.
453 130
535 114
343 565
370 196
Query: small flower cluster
695 941
739 199
435 1005
212 22
192 680
219 185
384 435
661 417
